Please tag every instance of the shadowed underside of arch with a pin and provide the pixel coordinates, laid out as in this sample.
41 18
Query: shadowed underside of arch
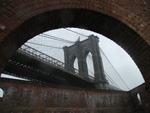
124 36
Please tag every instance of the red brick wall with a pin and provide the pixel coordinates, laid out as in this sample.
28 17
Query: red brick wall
27 97
145 106
130 12
139 7
132 24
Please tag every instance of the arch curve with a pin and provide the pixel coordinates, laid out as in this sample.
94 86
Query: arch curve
72 59
86 52
37 7
101 17
89 60
1 94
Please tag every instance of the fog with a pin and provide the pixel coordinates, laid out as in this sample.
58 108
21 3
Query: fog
121 61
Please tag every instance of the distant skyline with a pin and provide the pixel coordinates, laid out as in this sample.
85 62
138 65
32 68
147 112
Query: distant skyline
121 61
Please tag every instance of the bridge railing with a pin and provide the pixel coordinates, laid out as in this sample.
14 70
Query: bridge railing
44 57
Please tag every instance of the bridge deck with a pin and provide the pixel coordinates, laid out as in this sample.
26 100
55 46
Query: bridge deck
28 66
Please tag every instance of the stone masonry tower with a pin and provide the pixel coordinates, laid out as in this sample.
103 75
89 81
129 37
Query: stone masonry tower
80 51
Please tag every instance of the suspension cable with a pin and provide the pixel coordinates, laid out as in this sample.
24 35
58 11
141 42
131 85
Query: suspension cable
112 80
67 41
44 45
75 32
114 69
56 38
106 74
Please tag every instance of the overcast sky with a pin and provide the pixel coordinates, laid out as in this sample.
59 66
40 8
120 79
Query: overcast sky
122 62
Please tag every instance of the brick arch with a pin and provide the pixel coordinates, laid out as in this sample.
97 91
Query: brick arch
25 19
16 12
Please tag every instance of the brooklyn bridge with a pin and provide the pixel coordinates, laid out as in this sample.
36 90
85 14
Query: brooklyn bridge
34 65
51 85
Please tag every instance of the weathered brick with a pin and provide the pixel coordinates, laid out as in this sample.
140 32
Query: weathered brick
22 96
131 17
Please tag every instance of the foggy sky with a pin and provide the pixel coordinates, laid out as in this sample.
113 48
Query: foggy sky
122 62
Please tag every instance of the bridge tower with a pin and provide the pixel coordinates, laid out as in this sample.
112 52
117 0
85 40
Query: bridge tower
80 51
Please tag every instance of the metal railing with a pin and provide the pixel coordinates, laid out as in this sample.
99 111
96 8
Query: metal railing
56 63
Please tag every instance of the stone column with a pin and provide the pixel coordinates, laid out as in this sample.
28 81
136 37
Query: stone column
66 57
100 78
79 49
81 61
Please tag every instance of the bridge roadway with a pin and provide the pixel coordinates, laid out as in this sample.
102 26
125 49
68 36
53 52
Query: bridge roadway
34 65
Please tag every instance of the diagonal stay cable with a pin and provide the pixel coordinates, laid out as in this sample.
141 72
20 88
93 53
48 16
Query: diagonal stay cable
114 83
104 55
114 69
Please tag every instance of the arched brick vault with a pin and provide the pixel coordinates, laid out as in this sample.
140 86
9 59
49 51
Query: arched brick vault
25 19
